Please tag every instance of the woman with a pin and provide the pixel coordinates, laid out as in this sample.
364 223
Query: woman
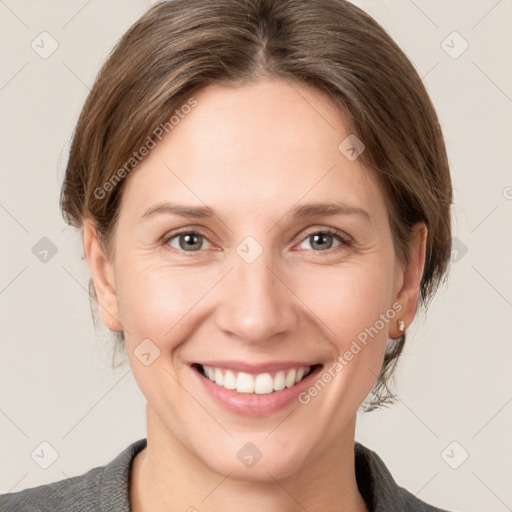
264 197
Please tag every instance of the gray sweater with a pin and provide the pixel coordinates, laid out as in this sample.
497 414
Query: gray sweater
105 488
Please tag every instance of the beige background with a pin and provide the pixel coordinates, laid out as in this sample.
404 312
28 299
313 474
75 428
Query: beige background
454 379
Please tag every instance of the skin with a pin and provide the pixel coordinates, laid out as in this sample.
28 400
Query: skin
252 154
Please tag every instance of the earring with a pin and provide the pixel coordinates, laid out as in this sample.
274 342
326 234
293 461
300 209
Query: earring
401 325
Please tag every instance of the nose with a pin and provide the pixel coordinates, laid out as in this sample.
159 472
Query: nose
256 304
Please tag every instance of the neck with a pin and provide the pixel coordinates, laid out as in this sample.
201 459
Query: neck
166 476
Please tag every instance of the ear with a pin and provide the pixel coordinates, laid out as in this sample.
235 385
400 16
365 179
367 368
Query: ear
409 278
102 275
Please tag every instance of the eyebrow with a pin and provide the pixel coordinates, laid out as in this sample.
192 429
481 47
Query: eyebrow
301 211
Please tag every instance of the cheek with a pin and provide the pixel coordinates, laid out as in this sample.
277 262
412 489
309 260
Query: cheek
351 309
353 306
153 299
347 300
157 303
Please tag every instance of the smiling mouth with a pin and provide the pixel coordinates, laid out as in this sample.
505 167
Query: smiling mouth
260 384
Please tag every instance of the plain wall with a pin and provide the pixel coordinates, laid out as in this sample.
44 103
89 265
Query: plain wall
454 379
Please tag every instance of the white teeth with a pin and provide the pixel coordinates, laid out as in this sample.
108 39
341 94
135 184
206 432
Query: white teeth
290 378
261 384
279 381
244 383
264 384
229 380
219 378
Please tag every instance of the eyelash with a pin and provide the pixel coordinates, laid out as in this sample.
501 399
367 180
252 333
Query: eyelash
344 239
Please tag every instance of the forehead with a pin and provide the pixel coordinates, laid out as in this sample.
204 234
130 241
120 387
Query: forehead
262 145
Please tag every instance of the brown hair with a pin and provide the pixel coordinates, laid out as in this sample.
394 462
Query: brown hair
179 47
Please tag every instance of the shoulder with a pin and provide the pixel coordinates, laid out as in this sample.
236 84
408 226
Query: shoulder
100 488
380 490
57 496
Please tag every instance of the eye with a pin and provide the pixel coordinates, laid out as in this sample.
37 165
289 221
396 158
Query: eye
322 239
194 241
187 241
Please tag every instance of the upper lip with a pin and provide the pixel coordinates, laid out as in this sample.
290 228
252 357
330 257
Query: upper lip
244 366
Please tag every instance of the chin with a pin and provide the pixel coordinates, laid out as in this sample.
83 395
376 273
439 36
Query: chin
245 462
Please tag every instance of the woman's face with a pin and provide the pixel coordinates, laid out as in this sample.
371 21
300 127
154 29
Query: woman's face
249 287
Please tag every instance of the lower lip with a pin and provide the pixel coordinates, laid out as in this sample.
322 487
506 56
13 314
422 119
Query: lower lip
253 404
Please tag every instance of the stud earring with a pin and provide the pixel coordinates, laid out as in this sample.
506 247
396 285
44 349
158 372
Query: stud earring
401 325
